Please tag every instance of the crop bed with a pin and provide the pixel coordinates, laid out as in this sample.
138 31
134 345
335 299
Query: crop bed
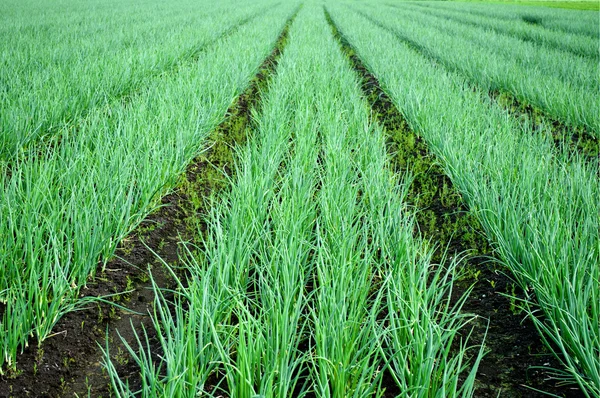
298 199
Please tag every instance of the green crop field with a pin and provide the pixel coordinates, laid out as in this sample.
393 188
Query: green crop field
320 198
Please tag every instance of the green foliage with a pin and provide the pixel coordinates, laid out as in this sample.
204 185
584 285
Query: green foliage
309 272
536 203
494 56
66 205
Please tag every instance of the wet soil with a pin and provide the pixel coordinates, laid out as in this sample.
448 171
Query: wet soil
515 349
573 139
69 364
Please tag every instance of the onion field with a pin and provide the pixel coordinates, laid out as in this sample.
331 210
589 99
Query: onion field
320 198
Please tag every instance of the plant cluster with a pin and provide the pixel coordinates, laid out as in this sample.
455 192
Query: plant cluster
537 204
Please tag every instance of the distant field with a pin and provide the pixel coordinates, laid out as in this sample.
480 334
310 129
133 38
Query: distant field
338 198
573 5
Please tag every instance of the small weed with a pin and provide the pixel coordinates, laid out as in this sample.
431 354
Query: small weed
121 357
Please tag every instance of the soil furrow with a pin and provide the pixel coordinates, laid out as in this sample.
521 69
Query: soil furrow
69 363
443 218
564 137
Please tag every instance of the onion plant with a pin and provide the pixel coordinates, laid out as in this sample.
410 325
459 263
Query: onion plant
299 253
538 204
66 208
564 86
56 67
570 42
558 20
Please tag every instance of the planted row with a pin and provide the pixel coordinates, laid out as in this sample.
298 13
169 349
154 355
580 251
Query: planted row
309 280
564 87
537 204
577 44
54 72
67 207
560 20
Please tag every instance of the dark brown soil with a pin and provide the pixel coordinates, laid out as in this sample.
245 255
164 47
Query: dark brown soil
513 342
70 363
